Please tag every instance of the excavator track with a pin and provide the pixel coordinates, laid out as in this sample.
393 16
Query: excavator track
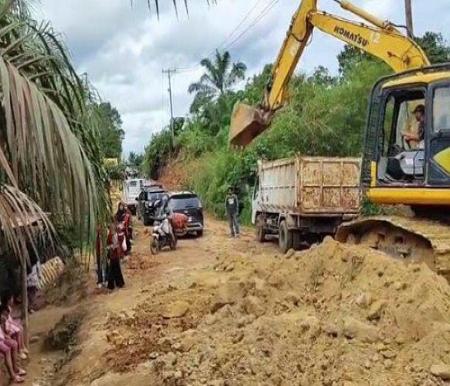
408 239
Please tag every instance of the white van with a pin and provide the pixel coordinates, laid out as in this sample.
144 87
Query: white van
131 189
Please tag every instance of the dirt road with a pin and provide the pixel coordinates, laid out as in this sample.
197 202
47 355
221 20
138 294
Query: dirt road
232 312
145 276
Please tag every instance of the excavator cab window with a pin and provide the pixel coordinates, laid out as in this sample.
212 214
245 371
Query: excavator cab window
401 147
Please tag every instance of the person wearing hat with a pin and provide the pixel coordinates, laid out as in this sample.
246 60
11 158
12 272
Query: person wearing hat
414 137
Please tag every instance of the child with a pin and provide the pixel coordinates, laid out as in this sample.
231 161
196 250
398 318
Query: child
8 348
13 327
32 285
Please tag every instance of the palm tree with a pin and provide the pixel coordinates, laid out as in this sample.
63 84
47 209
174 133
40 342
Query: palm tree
49 160
219 77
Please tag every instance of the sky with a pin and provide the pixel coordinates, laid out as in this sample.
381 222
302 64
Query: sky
124 48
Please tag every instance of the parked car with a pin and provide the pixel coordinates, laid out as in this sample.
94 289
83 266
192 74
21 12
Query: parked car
189 204
146 203
131 189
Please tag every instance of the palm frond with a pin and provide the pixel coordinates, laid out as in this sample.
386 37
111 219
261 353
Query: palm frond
17 212
43 147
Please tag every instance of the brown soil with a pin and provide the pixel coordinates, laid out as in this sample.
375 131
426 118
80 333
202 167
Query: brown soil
177 174
221 311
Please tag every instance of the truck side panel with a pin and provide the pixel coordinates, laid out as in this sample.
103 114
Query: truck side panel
278 185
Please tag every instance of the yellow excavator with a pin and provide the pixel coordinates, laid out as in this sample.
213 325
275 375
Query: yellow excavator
395 170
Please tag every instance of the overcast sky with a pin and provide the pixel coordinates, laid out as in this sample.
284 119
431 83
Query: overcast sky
124 49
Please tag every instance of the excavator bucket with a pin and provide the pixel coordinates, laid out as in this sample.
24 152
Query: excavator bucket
247 123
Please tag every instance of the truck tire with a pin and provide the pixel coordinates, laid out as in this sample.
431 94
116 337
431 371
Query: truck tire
260 231
285 239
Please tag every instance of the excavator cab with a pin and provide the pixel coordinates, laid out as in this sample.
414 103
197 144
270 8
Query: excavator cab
397 169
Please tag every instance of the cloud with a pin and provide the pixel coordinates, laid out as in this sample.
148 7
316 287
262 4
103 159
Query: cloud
124 49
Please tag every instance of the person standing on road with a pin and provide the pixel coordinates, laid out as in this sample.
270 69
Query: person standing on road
115 253
232 208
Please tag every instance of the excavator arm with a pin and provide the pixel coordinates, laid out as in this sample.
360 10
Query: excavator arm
380 39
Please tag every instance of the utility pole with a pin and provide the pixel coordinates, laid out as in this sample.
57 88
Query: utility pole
409 18
169 73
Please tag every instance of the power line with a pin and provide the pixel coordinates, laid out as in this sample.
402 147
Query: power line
268 7
243 20
261 16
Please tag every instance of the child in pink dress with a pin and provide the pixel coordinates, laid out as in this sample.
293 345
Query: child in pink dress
13 326
9 349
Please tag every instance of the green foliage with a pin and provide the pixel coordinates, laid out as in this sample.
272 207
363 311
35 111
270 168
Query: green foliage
219 77
220 170
135 159
115 172
370 209
435 47
110 130
157 153
325 116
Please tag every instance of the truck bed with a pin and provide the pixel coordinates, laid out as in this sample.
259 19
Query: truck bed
310 186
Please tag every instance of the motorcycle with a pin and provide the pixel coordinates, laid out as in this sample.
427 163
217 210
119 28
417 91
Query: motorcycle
162 236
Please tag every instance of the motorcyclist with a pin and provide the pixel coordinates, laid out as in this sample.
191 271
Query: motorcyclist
162 215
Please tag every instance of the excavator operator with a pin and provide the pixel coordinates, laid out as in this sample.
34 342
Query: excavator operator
415 135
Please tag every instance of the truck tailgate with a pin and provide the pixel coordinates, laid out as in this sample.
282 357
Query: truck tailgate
328 185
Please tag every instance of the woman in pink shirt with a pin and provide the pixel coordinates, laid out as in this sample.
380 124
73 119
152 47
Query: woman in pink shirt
14 327
9 349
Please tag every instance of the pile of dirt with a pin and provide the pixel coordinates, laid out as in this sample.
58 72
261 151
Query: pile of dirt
331 315
177 173
140 262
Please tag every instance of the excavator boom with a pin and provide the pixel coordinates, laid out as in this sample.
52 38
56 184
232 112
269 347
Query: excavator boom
380 39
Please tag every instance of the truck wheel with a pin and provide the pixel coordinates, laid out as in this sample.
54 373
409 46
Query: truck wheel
154 246
285 241
260 231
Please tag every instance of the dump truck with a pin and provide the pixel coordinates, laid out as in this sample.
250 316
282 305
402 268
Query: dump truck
303 199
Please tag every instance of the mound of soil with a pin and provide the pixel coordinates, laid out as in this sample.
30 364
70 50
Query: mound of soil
177 174
331 315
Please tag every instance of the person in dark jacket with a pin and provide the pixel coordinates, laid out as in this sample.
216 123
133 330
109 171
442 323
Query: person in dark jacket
232 208
121 211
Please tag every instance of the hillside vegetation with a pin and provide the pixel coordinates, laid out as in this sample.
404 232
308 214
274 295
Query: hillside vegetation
325 116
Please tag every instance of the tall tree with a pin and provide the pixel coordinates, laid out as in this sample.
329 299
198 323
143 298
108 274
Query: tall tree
435 46
110 130
219 77
135 159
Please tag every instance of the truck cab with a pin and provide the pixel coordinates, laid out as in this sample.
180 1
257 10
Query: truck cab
131 189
